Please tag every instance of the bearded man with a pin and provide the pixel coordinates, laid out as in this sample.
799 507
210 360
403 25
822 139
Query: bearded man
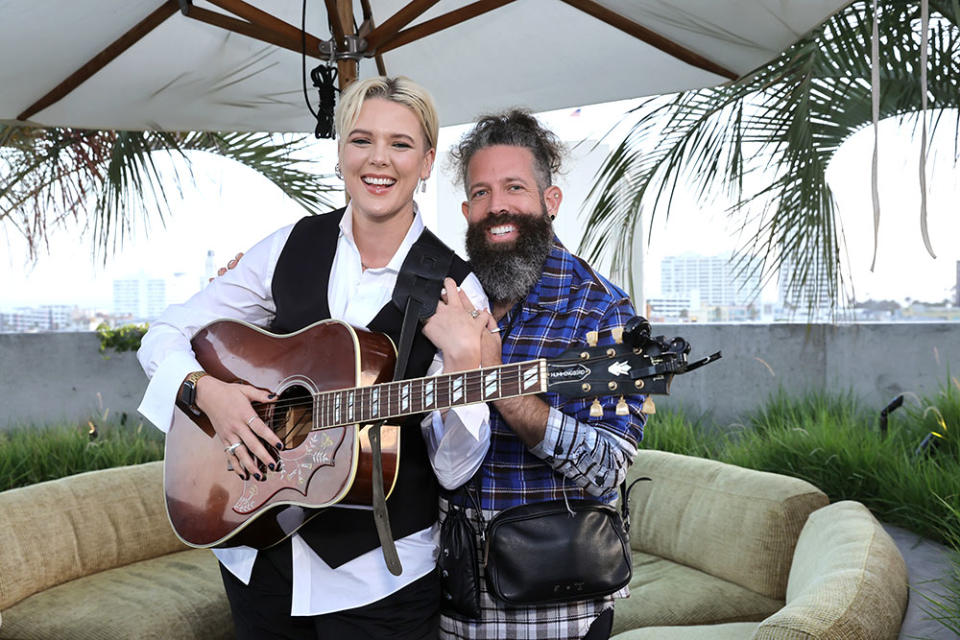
545 300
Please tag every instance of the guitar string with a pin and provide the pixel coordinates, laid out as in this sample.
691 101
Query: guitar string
275 417
475 383
477 373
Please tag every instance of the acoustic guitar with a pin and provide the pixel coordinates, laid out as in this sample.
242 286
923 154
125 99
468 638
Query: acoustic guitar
331 379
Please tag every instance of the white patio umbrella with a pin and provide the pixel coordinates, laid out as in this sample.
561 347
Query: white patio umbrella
230 65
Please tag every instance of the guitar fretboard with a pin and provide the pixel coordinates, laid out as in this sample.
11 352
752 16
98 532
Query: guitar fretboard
408 397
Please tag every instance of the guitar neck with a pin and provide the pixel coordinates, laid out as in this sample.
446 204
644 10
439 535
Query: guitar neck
434 393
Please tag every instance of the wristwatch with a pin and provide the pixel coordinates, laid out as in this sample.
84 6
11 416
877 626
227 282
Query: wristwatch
188 391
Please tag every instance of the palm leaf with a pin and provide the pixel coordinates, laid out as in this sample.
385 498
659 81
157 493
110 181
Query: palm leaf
764 142
108 180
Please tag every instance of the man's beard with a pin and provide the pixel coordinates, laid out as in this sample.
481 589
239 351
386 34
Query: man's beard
508 272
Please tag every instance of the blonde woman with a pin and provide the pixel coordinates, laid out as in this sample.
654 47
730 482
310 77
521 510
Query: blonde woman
329 580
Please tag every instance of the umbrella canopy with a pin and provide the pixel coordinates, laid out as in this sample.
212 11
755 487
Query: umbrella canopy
229 65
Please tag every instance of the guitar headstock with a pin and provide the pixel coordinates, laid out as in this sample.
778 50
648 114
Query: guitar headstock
635 363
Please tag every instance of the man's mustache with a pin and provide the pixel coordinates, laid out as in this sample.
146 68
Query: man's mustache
523 221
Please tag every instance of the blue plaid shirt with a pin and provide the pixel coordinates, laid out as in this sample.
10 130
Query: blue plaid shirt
579 454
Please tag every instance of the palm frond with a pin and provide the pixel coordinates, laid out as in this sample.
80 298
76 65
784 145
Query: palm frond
109 180
764 142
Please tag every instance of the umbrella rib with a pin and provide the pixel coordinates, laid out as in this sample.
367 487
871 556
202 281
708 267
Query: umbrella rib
102 59
398 21
256 32
263 19
440 23
652 38
336 25
364 31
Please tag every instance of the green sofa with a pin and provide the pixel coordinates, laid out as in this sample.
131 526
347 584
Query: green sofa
93 556
723 552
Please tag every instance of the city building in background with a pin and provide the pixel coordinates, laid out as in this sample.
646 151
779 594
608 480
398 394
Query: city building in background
140 297
698 288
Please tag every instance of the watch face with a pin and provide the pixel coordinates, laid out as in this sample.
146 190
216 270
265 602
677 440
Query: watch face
188 393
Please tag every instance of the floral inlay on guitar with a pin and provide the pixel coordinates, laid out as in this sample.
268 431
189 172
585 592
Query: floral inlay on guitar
297 466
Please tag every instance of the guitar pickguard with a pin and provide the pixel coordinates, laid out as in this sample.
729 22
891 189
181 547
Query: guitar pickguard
298 465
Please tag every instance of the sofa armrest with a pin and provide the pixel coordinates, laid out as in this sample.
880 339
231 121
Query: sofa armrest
848 580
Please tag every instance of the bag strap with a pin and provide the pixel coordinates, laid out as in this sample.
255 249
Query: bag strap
625 502
417 292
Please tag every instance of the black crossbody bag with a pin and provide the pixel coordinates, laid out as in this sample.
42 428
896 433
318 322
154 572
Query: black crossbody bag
538 553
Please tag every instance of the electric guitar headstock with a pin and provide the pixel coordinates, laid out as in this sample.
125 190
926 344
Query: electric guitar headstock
635 363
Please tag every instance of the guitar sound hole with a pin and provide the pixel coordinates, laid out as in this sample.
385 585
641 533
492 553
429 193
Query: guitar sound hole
292 417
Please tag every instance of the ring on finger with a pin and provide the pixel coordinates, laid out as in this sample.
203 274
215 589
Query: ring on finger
233 447
475 314
251 419
497 330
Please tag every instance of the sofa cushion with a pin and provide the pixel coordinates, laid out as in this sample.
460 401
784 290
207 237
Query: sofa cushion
663 592
732 631
178 595
848 580
64 529
733 523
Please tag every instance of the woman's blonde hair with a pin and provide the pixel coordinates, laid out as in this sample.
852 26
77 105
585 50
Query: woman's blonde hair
401 90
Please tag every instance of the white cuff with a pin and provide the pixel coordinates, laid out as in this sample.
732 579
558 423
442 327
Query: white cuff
158 400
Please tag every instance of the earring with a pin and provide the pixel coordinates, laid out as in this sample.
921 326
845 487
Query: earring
552 217
423 184
337 171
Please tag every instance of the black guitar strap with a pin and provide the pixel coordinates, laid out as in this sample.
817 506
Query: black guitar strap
417 292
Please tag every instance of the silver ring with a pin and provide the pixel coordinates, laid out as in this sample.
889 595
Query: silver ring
233 447
497 330
251 419
475 314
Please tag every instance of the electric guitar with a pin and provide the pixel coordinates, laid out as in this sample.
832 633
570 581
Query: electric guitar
331 379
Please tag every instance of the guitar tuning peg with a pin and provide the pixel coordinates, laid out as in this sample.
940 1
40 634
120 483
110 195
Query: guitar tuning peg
648 406
622 408
617 334
592 337
596 410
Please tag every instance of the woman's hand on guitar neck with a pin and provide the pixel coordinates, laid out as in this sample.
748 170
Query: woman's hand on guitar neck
229 408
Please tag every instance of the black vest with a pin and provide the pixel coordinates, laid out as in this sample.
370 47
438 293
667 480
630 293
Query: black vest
300 293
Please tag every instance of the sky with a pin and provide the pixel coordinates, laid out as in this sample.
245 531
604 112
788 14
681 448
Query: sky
230 207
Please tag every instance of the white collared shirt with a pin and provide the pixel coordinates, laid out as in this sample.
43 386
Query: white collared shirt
456 444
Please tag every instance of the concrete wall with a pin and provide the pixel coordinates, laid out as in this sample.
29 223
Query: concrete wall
874 361
50 377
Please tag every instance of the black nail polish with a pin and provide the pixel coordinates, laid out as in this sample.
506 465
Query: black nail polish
271 466
280 446
257 476
272 396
